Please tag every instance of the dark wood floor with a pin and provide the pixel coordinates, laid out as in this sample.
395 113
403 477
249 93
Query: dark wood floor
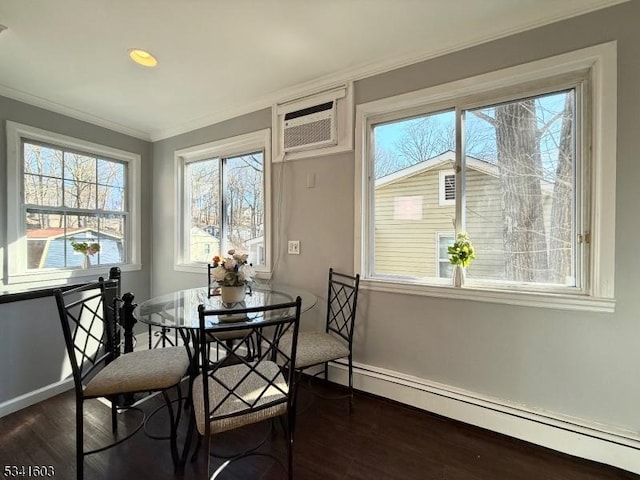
381 440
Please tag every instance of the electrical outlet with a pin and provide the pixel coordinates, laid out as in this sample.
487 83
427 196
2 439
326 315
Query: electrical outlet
294 247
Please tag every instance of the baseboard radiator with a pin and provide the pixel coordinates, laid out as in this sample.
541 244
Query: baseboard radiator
568 435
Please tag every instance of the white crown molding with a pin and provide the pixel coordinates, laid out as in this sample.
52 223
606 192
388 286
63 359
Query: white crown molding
71 112
364 71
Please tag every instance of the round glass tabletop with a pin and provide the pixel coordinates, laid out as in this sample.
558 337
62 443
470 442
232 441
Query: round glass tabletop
180 309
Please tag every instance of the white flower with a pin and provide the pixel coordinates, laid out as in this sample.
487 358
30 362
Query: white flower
229 263
219 274
233 270
246 272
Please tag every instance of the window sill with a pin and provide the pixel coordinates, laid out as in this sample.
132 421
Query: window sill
526 299
50 278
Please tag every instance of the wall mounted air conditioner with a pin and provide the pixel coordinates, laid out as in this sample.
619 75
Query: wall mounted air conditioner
317 124
310 127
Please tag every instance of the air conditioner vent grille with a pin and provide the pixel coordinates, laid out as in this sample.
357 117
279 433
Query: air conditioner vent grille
308 111
307 134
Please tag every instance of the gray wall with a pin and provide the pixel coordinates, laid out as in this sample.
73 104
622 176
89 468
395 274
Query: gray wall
572 363
31 344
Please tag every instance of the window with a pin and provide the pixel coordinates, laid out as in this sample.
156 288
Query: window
64 190
508 158
224 201
445 240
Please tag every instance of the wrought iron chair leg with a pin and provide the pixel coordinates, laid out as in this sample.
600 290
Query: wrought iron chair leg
79 441
173 432
207 446
187 440
114 414
179 409
289 436
350 385
197 449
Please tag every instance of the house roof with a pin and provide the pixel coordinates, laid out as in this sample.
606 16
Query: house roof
45 233
52 233
445 158
438 161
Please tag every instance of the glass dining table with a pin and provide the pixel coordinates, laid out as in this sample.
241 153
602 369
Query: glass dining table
179 310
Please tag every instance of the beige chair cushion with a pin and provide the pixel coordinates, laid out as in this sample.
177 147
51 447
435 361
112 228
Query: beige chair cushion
140 371
315 348
250 390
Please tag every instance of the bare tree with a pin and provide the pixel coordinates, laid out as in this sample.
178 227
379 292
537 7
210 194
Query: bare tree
56 178
386 162
424 138
242 196
520 169
560 235
519 128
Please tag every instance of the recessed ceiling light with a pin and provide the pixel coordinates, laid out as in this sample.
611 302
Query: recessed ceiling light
143 57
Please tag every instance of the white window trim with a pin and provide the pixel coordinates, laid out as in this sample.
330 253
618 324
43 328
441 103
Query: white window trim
602 62
238 145
442 188
16 228
439 236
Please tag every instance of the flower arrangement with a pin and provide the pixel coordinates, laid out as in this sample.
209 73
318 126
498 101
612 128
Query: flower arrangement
233 270
462 250
85 248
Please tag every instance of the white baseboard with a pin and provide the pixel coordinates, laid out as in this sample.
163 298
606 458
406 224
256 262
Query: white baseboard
34 397
573 436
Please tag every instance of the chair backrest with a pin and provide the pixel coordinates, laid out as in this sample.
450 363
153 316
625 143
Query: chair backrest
89 318
342 300
242 383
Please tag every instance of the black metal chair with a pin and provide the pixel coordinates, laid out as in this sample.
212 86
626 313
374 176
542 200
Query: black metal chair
89 325
336 341
235 391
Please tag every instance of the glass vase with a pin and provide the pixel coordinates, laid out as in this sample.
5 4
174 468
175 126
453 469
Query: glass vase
459 275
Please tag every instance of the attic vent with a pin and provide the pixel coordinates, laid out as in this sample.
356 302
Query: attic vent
310 127
447 190
450 187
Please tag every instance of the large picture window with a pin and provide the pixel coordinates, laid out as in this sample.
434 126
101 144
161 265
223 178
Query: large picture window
512 164
521 164
67 191
224 204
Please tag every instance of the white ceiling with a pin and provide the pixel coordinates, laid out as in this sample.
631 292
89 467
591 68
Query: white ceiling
220 58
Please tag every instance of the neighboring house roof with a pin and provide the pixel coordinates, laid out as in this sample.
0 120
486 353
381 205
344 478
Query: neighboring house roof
255 240
199 232
45 233
448 157
53 233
